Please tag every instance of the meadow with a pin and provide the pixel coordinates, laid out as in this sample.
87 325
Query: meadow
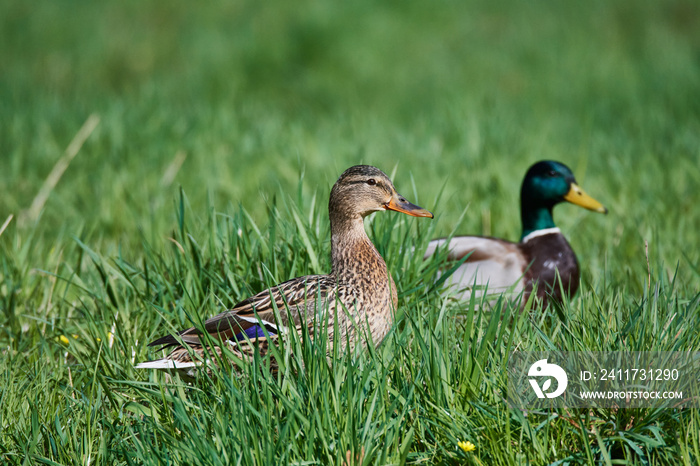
212 134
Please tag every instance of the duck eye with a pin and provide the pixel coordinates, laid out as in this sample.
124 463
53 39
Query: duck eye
371 182
552 173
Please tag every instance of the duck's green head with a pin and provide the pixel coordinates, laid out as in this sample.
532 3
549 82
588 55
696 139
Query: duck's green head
546 184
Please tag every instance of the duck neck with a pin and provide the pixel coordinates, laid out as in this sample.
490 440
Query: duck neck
535 218
351 249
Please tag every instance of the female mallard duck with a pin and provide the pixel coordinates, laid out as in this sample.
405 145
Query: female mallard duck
542 255
359 290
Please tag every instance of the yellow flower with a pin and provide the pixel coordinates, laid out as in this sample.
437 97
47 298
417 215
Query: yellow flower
466 446
63 339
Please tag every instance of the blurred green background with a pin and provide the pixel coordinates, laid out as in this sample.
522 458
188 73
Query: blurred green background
461 96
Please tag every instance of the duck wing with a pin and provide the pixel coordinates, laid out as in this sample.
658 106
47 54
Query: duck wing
291 299
492 265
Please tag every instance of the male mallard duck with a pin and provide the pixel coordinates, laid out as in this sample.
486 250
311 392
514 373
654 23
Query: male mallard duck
359 290
542 253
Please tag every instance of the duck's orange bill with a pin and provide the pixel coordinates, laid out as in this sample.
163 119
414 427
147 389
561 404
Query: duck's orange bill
578 196
399 204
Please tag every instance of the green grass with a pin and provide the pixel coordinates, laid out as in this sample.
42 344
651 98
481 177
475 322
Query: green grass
268 102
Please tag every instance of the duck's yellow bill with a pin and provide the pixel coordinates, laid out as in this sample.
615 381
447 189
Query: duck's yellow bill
399 204
578 196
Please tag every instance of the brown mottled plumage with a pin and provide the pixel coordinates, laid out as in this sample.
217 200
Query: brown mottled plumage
359 291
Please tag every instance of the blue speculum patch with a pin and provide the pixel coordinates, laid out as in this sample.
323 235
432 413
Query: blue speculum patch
253 332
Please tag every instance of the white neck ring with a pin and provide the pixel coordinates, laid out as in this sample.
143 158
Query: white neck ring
542 232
